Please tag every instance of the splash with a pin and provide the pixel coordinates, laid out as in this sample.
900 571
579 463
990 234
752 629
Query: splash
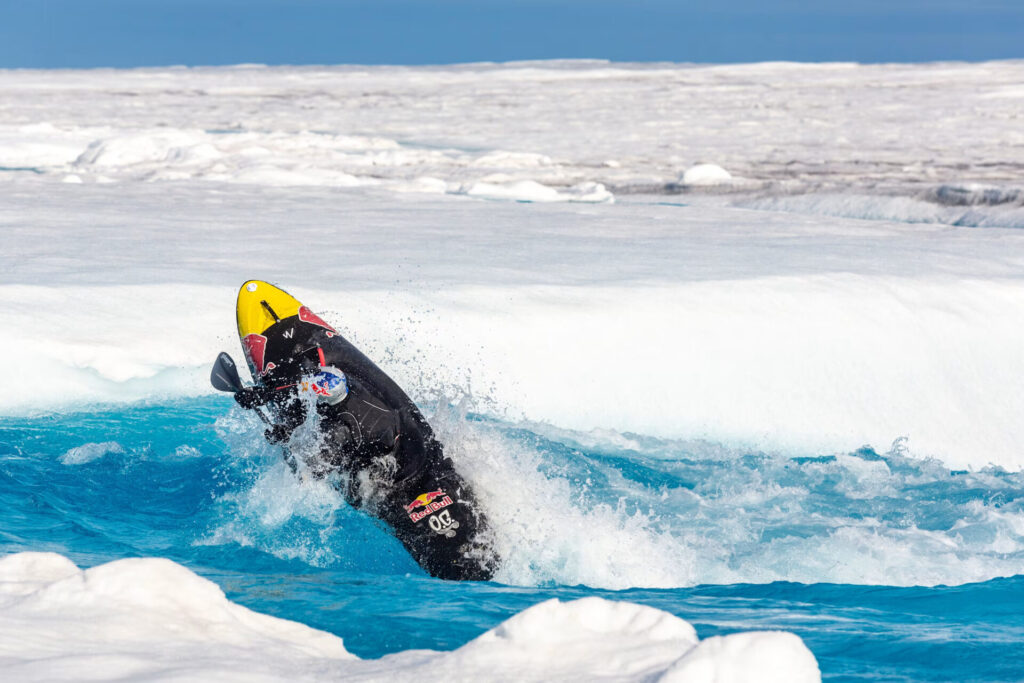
618 510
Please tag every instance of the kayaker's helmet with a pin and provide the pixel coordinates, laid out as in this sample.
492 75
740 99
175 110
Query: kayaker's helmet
328 384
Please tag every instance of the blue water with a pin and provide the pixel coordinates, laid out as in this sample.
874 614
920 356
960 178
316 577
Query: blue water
728 540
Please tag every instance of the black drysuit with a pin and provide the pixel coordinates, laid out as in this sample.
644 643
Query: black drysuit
390 464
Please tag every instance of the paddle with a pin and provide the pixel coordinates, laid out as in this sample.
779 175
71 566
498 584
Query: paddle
224 376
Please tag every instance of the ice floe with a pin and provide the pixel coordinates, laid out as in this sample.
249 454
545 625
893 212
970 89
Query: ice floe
153 619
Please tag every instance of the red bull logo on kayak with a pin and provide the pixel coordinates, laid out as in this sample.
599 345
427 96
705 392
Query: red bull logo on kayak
308 316
429 503
255 346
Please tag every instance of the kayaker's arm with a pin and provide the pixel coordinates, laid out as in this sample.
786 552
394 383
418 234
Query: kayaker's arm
416 446
341 353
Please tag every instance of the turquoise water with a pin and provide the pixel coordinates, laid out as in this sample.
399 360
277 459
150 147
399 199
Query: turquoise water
829 546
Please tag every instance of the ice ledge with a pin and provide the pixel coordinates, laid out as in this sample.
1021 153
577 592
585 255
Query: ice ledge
154 619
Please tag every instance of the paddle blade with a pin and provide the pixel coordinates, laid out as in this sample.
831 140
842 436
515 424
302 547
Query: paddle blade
224 376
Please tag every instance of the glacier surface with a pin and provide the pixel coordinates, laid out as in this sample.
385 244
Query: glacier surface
780 258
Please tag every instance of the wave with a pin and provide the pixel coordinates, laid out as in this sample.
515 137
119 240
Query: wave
602 508
620 510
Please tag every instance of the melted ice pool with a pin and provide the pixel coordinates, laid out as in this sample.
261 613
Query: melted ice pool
844 550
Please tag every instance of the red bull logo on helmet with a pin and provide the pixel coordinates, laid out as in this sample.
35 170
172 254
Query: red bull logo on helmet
429 503
329 385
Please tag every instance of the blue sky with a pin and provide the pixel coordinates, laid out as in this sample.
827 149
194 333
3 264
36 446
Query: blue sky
123 33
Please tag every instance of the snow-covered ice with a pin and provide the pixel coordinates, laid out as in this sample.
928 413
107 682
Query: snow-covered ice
631 128
706 174
758 328
767 313
152 619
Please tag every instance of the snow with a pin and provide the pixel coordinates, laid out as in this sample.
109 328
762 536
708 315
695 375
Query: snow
530 191
152 619
143 618
773 657
762 329
706 174
789 126
772 257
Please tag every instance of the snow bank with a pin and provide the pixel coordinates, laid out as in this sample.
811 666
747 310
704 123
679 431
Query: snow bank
805 365
295 159
759 329
706 174
530 191
775 657
556 125
598 639
143 618
775 323
154 619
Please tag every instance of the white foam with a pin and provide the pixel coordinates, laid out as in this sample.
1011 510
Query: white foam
154 619
79 455
712 516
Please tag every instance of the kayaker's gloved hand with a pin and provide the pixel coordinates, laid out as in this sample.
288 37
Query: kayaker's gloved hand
251 397
276 434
